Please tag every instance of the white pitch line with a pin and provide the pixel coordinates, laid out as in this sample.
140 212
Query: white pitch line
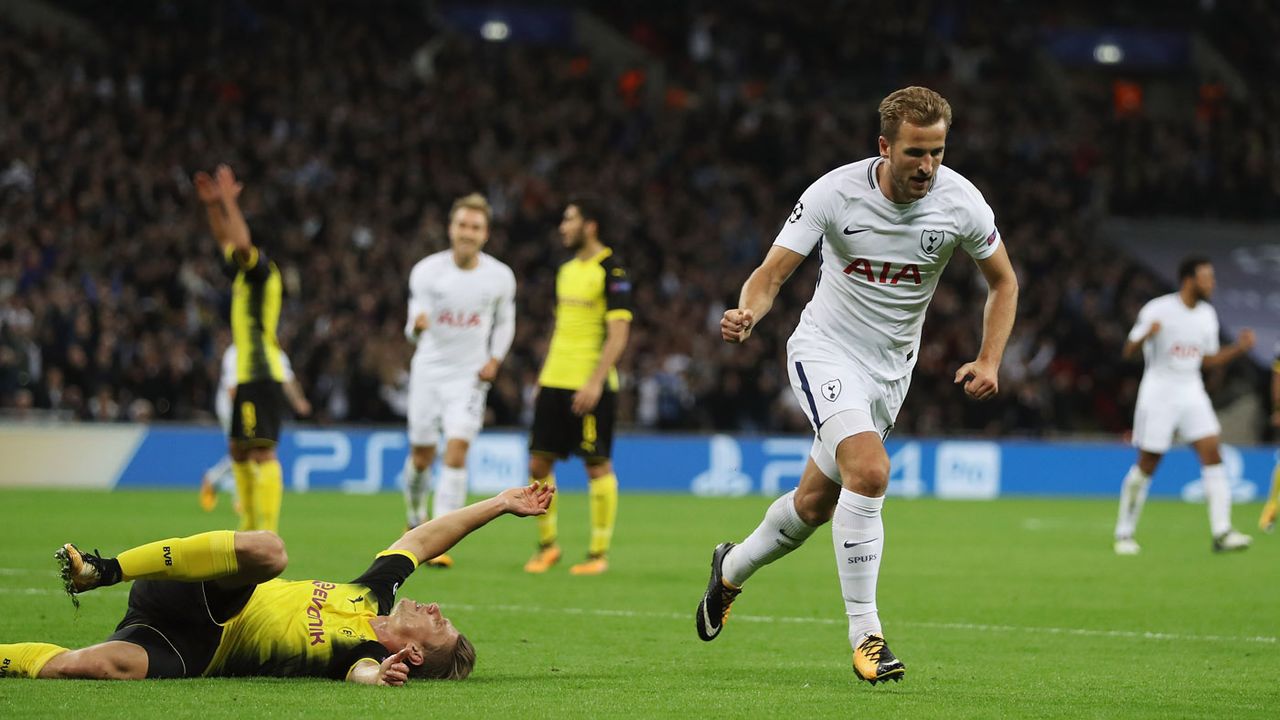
979 627
783 619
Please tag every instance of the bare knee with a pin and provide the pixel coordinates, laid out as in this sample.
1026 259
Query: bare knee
869 477
422 456
115 660
539 466
260 555
455 453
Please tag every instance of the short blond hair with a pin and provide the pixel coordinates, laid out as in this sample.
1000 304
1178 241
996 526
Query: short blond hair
473 201
917 105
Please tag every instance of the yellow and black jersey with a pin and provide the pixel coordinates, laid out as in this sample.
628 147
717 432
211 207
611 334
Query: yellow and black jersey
256 296
311 627
589 293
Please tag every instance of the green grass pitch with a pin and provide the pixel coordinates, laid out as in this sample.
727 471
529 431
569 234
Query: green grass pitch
1013 608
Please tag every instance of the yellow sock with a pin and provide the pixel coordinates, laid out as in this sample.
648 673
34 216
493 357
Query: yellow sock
268 493
246 474
547 526
26 659
1275 484
603 497
200 557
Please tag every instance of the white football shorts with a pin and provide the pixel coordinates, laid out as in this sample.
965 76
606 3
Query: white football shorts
1165 415
452 408
827 384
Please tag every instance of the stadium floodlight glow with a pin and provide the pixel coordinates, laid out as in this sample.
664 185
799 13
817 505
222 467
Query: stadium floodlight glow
1108 53
495 30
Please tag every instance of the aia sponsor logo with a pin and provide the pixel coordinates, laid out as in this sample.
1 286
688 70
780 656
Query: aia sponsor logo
884 273
458 319
1183 351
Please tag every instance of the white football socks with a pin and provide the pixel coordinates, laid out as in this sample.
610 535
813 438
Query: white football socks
416 483
1133 493
1217 495
857 532
779 533
451 491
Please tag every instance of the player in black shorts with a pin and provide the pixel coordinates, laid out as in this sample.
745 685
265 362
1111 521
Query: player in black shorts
212 605
578 387
257 294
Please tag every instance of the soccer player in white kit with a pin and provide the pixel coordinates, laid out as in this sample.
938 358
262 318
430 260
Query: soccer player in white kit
885 227
462 318
219 477
1178 335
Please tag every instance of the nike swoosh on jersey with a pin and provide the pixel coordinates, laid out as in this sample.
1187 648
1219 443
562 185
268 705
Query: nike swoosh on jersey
847 231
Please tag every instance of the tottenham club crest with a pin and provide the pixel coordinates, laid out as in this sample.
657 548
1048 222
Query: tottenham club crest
831 390
931 240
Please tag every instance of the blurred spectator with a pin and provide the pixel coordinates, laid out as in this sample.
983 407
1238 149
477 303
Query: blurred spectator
357 129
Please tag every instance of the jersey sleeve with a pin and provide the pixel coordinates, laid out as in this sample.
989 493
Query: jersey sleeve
256 267
345 661
417 301
504 317
981 238
1211 343
1141 326
389 570
286 367
617 291
810 218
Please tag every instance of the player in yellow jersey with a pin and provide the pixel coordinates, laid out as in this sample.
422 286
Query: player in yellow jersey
1267 523
577 390
212 605
256 296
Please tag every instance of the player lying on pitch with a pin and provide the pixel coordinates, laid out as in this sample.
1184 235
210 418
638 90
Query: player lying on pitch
212 605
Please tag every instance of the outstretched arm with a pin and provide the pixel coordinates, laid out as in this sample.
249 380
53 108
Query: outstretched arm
981 377
437 536
235 230
758 293
1242 345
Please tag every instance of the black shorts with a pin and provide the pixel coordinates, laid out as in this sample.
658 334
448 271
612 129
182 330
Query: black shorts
179 624
557 431
257 412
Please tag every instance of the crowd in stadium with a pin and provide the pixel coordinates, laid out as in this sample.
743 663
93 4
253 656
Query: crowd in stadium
354 131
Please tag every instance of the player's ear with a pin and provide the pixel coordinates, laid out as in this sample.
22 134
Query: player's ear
884 147
415 656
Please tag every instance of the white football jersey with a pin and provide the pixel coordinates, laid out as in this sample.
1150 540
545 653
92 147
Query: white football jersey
881 261
1185 337
471 314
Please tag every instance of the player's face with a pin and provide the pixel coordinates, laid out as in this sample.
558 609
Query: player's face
573 229
914 158
424 624
468 231
1204 282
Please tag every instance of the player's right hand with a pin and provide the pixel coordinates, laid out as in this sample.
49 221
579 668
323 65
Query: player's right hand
532 499
421 322
1155 328
736 325
395 670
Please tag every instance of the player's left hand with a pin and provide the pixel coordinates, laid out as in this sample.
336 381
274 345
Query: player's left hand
489 371
1246 339
302 407
395 669
981 380
586 399
228 187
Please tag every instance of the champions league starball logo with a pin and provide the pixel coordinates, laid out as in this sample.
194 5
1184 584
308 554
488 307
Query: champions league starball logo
931 240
